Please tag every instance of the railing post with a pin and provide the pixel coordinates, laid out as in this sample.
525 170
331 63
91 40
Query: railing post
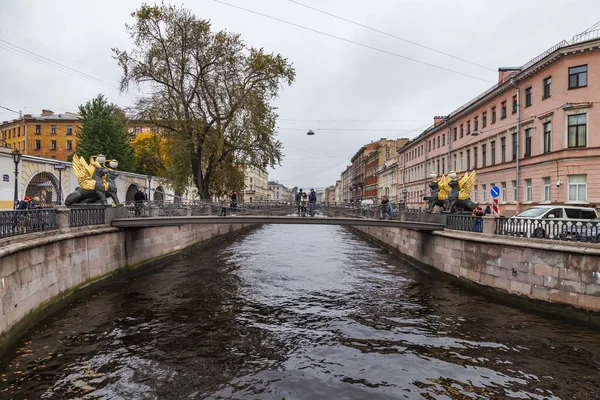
62 217
489 225
443 219
110 213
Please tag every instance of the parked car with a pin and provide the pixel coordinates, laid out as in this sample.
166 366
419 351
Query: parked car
548 221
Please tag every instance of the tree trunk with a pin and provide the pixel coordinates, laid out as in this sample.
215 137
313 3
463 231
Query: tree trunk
202 184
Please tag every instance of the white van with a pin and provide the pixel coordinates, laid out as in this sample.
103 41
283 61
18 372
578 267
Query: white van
548 221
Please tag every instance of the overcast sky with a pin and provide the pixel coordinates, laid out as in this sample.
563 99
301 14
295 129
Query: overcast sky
348 94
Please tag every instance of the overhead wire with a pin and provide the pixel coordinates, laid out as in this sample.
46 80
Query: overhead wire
390 35
352 41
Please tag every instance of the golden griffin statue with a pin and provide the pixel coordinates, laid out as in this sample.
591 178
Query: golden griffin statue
452 192
96 181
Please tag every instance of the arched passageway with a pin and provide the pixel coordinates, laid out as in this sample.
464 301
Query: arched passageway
44 187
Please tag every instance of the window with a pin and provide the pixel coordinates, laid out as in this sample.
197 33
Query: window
438 166
250 180
493 151
484 195
155 129
546 185
53 157
69 130
503 192
527 142
461 131
547 87
455 134
502 149
493 115
503 111
461 161
528 96
19 131
137 129
438 142
53 131
528 190
468 127
515 190
444 139
38 129
577 187
514 104
38 145
484 120
475 123
443 165
23 145
475 194
514 146
429 145
547 127
577 130
69 145
578 77
455 163
474 157
53 145
483 156
468 160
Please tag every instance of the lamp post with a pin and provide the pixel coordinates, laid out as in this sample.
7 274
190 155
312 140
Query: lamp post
59 167
17 159
149 186
404 195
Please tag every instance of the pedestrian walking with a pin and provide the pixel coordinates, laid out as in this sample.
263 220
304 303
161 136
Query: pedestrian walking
139 197
386 208
233 204
312 202
299 201
224 204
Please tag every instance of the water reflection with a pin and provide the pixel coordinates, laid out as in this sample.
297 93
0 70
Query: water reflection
299 312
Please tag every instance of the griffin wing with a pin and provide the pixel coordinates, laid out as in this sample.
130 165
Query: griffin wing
444 187
84 173
466 184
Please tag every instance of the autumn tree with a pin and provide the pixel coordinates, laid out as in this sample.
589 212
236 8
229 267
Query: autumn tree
207 90
150 153
103 130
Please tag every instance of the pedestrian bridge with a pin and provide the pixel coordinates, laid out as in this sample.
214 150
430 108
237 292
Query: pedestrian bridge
146 222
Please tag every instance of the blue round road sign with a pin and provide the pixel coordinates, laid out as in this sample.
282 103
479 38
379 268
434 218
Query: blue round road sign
495 191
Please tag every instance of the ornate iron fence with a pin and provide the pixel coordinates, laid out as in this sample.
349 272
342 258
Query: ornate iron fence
467 223
86 216
579 231
27 221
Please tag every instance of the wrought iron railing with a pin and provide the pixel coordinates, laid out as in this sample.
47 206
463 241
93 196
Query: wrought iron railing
27 221
87 216
580 231
147 209
467 223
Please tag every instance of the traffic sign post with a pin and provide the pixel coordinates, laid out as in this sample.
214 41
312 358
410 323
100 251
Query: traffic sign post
495 192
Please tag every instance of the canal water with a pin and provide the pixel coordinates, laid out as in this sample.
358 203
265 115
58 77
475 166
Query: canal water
299 312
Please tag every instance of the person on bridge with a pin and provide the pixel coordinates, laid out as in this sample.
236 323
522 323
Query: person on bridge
312 202
386 208
224 204
488 210
233 204
139 197
304 203
299 201
478 224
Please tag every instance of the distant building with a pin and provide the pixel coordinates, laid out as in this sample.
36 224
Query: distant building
47 135
387 180
256 187
280 192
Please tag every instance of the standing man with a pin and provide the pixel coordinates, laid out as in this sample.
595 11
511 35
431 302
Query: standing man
299 201
233 201
139 197
312 202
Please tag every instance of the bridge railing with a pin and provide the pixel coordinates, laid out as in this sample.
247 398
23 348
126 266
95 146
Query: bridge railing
467 223
148 209
399 212
86 216
19 222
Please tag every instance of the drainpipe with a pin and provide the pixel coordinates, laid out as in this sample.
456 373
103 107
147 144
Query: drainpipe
425 167
512 82
449 143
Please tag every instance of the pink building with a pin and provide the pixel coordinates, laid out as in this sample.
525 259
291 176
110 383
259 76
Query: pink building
533 135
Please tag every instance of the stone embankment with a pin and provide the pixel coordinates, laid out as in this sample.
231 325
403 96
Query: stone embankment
550 272
37 271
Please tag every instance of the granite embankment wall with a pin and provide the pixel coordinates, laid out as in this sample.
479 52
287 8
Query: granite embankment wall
552 272
38 271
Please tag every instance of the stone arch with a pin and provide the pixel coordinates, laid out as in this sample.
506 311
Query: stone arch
131 191
45 186
159 194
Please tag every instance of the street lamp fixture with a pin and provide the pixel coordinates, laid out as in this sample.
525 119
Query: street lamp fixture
149 186
59 167
310 132
16 155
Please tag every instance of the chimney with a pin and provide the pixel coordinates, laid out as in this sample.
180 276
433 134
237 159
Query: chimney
47 113
438 120
505 73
